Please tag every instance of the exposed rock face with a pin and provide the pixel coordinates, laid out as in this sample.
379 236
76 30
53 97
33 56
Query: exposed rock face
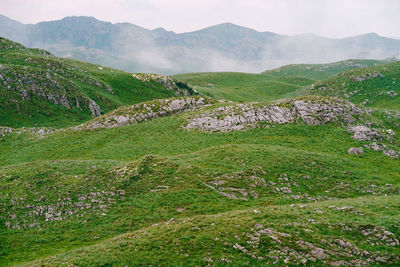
94 108
356 150
168 82
363 133
316 112
312 111
145 111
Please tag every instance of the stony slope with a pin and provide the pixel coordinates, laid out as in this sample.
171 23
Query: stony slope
319 72
371 87
39 89
145 111
151 192
191 180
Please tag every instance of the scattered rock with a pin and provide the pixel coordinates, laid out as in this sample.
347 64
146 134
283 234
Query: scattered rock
364 133
5 130
356 150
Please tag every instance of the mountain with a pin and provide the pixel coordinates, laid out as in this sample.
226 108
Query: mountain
39 89
224 47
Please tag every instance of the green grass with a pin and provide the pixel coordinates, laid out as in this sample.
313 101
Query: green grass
270 85
158 178
198 240
378 92
243 86
319 72
155 193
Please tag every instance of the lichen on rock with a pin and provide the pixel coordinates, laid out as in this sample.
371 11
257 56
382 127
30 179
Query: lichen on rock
145 111
310 110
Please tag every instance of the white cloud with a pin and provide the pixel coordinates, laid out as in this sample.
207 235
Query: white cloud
333 18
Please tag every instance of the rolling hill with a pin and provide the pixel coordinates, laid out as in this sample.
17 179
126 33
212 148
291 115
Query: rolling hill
269 85
376 86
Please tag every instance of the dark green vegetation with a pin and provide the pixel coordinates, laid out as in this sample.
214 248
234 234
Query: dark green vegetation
154 193
269 85
39 89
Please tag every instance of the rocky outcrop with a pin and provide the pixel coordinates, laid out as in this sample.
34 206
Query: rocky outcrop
169 83
356 150
310 110
94 108
5 130
145 111
387 151
367 76
364 133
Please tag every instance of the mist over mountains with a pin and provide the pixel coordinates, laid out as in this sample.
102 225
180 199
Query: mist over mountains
223 47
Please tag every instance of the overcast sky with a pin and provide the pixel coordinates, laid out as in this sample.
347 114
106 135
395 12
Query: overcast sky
330 18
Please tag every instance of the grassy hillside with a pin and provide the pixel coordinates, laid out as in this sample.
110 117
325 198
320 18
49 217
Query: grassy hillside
124 195
377 86
323 71
236 86
38 89
192 181
269 85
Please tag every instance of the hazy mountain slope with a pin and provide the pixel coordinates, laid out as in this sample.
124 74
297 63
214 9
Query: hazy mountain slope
372 87
39 89
269 85
224 47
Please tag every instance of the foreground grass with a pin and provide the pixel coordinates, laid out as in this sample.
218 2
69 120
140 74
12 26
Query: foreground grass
103 183
265 235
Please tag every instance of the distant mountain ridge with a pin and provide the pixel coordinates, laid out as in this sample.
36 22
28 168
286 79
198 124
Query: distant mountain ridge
223 47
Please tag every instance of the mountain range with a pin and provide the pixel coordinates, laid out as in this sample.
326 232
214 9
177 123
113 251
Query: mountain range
217 48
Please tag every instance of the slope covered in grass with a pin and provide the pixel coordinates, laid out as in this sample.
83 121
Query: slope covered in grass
39 89
269 85
377 86
323 71
155 192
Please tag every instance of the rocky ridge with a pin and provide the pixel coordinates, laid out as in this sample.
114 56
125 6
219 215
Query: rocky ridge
168 82
145 111
310 110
